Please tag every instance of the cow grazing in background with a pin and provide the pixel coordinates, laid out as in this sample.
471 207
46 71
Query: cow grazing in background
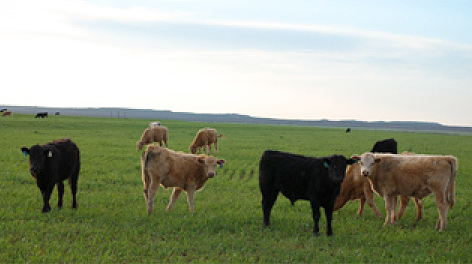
155 124
348 130
317 180
412 175
7 113
41 115
51 164
205 137
385 146
153 134
184 172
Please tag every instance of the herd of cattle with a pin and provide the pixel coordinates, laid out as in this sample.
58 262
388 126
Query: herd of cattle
328 182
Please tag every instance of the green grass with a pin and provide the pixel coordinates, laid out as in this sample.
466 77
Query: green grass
111 224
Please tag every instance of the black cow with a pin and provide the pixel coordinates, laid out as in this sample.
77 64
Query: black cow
41 115
317 180
348 130
385 146
51 164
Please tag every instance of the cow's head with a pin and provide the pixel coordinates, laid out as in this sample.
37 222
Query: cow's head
336 166
193 148
140 145
210 164
37 159
367 161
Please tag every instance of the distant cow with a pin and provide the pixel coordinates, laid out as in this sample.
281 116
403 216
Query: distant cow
3 110
348 130
187 172
385 146
317 180
205 137
41 115
412 175
357 187
51 164
153 134
7 113
155 124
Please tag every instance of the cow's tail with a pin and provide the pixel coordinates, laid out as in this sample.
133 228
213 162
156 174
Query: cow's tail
145 172
450 191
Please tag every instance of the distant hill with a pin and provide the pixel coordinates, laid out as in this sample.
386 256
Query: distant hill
237 118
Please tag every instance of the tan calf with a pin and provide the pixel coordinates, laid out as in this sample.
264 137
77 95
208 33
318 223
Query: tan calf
205 137
157 134
412 175
357 187
184 172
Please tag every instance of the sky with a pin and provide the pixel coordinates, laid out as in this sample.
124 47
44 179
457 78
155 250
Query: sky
301 59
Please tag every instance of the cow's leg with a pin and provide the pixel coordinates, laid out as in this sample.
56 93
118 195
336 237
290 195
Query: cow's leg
442 208
175 195
419 209
370 201
73 190
315 209
394 210
404 200
190 199
329 218
60 193
361 206
268 200
152 190
389 210
46 196
216 147
209 149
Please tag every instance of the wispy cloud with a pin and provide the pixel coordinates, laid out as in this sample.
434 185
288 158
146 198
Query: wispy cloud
249 65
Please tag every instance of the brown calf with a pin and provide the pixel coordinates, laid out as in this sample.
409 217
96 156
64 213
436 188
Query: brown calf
7 113
187 172
153 134
357 187
205 137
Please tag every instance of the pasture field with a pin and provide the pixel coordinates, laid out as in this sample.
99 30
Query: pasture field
111 224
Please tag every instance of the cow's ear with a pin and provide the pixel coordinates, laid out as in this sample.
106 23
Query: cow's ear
356 158
220 162
351 161
25 151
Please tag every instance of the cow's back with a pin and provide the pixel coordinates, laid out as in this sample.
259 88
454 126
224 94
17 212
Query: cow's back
285 172
69 157
174 169
413 175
